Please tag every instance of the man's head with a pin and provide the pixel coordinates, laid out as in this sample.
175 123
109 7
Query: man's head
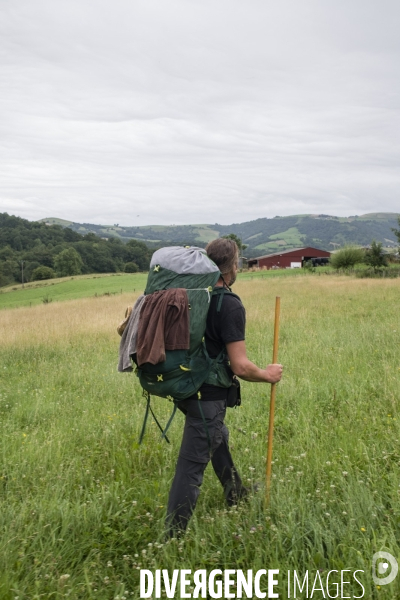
225 253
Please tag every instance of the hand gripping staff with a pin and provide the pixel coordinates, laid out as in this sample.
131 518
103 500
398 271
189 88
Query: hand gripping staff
272 401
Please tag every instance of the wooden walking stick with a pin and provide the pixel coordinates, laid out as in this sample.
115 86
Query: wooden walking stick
272 401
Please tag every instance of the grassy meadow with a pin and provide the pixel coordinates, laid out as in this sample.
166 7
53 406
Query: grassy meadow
82 506
70 288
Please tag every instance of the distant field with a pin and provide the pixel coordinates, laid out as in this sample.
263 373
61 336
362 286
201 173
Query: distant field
290 237
82 506
84 286
71 288
205 234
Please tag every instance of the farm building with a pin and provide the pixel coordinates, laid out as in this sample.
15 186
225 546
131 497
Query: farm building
290 259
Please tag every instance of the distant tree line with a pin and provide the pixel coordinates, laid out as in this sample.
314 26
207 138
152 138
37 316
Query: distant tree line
40 251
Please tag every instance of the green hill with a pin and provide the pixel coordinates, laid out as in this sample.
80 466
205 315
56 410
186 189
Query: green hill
261 235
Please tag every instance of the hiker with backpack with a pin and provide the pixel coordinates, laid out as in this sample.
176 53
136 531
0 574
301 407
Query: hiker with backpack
186 336
205 435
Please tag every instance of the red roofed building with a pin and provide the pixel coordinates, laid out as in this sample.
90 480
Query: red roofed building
290 259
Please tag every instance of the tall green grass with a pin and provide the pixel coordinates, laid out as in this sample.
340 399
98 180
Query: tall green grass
83 506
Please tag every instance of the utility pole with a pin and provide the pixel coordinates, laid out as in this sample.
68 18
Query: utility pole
22 269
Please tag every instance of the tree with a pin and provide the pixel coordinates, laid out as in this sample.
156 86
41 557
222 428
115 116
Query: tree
346 257
139 253
131 267
232 236
11 270
6 253
96 257
41 254
374 256
41 273
397 232
29 267
6 273
68 262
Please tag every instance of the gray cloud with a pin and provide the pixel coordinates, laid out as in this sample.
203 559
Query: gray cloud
198 111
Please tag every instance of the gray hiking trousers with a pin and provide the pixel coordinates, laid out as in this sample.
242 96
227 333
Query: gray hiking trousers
197 449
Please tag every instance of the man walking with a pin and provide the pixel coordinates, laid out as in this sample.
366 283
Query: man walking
205 436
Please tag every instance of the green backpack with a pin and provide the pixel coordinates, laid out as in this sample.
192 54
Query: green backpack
184 371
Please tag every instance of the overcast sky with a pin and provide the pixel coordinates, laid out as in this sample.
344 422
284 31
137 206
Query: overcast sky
198 111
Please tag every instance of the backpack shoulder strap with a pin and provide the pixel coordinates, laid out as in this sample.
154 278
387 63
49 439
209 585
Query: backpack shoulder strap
220 291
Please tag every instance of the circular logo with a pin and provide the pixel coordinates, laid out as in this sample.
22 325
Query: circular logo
380 572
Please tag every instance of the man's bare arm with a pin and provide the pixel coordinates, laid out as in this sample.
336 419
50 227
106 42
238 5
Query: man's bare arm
247 370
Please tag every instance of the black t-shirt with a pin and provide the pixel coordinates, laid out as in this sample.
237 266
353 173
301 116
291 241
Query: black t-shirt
227 325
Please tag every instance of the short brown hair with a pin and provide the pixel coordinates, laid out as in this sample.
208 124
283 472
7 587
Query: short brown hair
224 252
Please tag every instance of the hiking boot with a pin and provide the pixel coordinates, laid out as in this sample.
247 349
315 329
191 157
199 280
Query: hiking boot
244 493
